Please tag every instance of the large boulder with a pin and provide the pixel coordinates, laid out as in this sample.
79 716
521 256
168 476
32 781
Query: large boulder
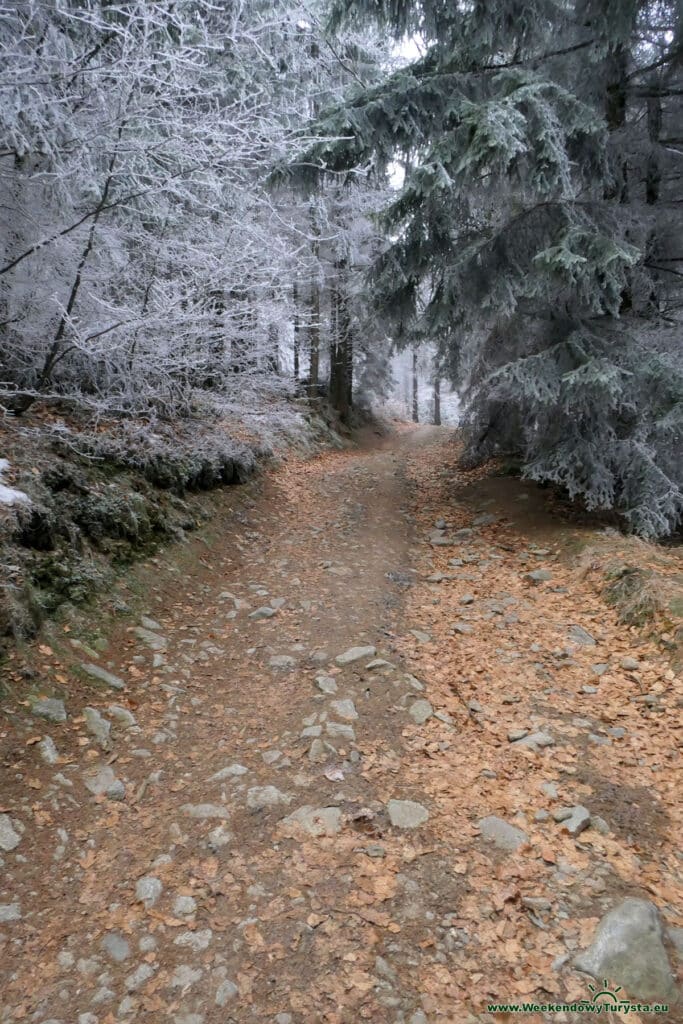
628 949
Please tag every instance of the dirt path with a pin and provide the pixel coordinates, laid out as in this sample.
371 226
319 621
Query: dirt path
256 828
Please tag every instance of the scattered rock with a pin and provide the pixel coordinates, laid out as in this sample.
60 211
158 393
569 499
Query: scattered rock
630 664
573 819
319 752
9 839
264 612
226 992
150 623
421 636
326 684
282 661
406 813
316 821
599 669
231 771
535 741
98 727
462 627
184 976
116 946
502 834
102 676
345 709
122 715
197 941
579 635
339 731
139 976
628 949
50 708
260 797
550 790
517 734
538 576
103 782
48 751
355 654
148 889
184 906
420 710
152 640
205 811
9 912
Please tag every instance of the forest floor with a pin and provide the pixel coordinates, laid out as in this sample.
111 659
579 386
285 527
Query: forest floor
372 747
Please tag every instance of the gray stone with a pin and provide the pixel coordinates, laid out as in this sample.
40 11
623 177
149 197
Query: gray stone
284 1018
152 640
541 815
581 636
260 797
264 612
271 756
538 576
184 906
148 889
502 834
48 750
550 790
139 976
379 663
9 912
420 710
517 734
316 821
630 664
339 731
226 992
102 676
103 782
122 715
355 654
326 684
484 519
406 813
535 741
98 727
562 813
418 1018
189 1018
9 839
50 708
578 819
344 709
115 946
599 669
282 661
421 636
184 976
628 949
319 752
150 623
589 689
462 627
467 599
196 941
231 771
205 811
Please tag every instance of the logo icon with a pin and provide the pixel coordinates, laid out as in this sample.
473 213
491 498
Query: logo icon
606 996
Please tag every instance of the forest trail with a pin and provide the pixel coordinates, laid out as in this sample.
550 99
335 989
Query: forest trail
375 754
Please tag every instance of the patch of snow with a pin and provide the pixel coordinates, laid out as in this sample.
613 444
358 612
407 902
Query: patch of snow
10 495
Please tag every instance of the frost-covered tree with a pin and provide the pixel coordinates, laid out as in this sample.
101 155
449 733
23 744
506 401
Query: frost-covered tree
145 264
537 234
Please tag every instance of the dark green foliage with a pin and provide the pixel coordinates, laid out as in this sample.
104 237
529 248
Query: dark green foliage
536 237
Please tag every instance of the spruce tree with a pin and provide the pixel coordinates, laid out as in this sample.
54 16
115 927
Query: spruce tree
535 237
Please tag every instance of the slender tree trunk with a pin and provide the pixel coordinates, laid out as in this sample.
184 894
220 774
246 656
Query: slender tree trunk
314 329
296 325
437 401
416 405
341 345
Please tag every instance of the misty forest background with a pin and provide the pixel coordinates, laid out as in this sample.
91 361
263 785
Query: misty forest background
459 209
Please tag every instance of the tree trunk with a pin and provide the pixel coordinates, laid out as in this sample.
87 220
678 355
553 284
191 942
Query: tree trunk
416 405
296 325
341 345
314 328
437 401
